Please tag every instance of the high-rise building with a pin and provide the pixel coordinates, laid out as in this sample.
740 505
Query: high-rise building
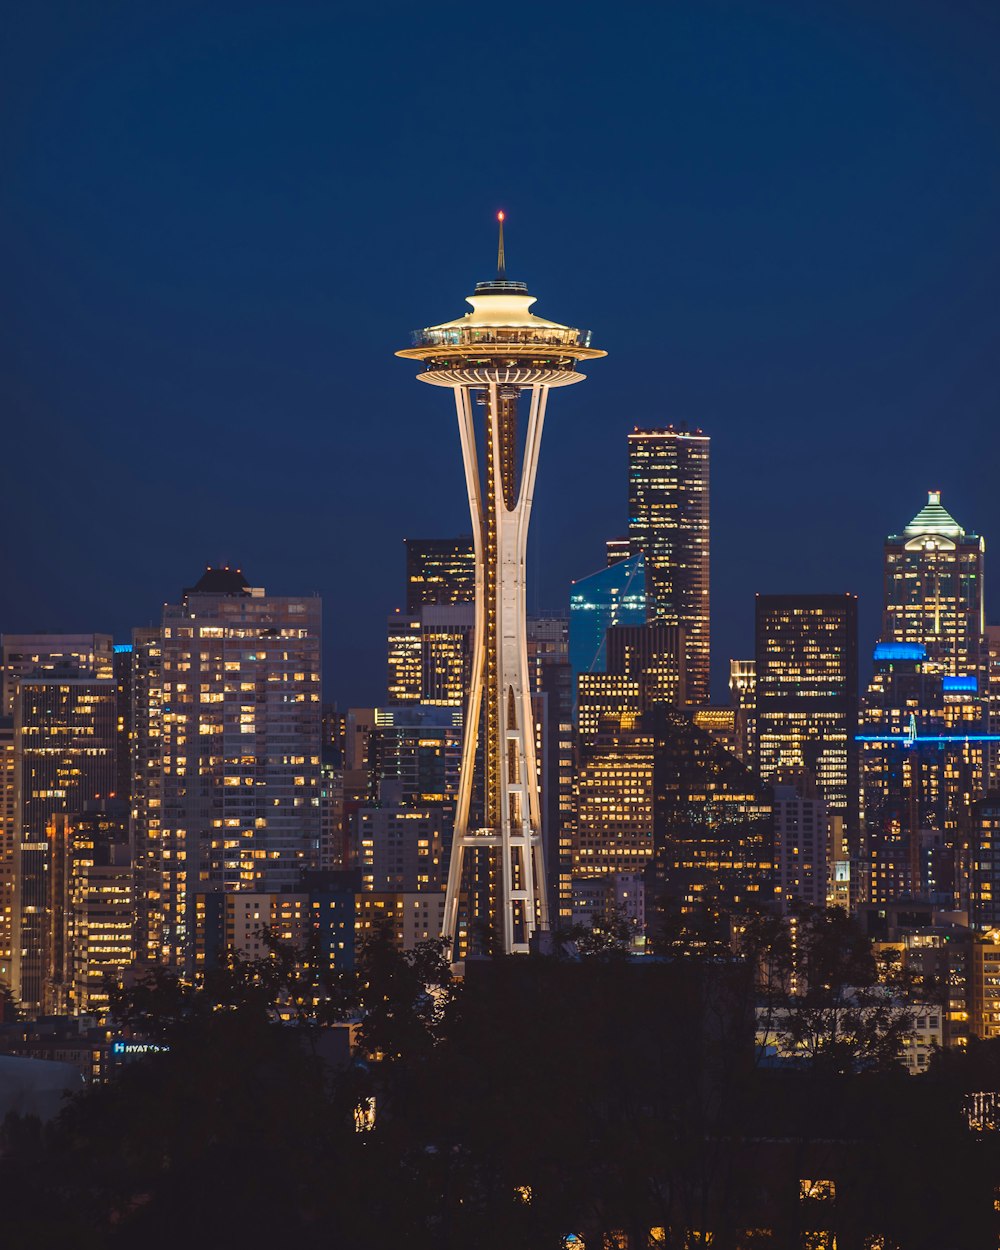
551 681
439 571
418 747
924 744
91 913
713 842
933 589
615 595
146 789
653 654
494 354
617 549
122 666
614 815
802 842
668 498
430 655
807 694
743 696
65 742
236 746
31 654
9 842
984 876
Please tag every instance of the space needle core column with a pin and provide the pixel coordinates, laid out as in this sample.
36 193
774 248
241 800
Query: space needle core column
491 357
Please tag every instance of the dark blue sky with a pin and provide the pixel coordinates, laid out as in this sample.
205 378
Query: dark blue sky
220 220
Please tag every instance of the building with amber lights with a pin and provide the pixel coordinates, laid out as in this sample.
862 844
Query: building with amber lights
933 589
806 675
439 571
65 726
430 655
91 920
668 503
229 760
924 749
713 840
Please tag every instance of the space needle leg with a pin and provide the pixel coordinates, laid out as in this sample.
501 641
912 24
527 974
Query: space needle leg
470 734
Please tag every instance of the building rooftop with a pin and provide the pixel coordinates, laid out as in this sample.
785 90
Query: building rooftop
224 581
934 519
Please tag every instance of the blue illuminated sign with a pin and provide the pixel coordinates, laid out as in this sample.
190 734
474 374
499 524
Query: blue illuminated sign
121 648
956 685
900 651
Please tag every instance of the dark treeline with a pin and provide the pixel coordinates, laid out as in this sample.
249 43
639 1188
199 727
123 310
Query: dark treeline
601 1096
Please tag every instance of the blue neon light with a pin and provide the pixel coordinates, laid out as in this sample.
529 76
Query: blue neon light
954 685
910 739
120 648
900 651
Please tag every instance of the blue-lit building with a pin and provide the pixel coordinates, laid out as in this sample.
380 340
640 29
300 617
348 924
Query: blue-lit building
924 743
612 596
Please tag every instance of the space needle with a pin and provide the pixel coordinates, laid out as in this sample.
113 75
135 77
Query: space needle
491 357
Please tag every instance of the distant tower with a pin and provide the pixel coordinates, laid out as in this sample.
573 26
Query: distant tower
491 356
669 522
934 589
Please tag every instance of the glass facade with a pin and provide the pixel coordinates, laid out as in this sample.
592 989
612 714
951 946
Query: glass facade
612 596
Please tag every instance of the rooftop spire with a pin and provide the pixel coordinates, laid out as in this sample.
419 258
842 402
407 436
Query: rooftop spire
501 267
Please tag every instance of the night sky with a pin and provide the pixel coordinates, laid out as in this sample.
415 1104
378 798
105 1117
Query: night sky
220 221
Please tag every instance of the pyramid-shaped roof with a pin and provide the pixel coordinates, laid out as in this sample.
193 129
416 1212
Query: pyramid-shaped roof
934 519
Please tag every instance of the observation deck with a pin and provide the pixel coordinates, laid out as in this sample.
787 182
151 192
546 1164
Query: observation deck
500 341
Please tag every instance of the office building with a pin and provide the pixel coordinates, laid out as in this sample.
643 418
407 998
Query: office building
614 811
551 679
403 849
9 854
429 655
743 697
615 595
807 694
91 920
238 763
439 571
933 589
924 746
802 841
668 499
417 747
65 741
713 840
35 654
654 655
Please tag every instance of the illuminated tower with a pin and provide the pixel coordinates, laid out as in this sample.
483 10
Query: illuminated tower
668 490
934 590
491 357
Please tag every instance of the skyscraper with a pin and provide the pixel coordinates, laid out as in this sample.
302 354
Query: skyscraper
615 595
807 694
713 846
430 655
237 753
924 752
65 739
668 497
439 571
491 356
933 589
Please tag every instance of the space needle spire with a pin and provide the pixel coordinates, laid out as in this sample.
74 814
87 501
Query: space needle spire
495 357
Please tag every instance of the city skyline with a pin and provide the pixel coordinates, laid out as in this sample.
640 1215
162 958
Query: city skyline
803 268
